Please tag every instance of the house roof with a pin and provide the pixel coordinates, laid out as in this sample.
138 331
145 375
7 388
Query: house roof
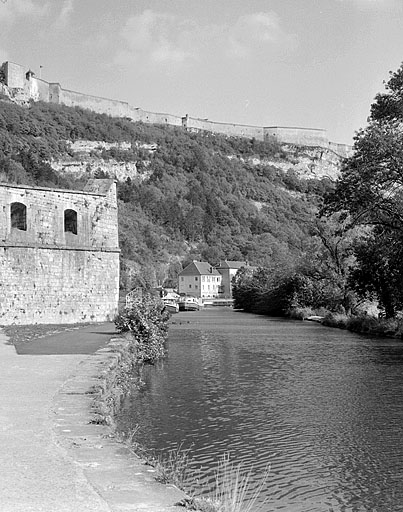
232 264
200 268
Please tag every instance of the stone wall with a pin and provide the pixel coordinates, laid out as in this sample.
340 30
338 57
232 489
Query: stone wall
38 89
97 104
298 136
229 129
14 75
138 114
50 275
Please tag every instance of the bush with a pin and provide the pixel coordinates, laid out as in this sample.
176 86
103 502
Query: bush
299 313
339 320
368 324
147 322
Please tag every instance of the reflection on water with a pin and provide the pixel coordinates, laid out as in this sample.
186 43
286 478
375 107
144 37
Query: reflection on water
322 407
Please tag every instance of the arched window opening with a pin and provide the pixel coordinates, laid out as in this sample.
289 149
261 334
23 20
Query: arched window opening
19 216
70 221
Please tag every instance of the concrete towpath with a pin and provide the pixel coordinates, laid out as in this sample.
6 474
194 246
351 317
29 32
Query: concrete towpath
52 459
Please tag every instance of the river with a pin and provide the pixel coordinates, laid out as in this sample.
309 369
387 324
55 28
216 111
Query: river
321 408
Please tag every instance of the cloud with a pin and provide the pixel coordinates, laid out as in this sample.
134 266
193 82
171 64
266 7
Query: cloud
159 38
13 9
257 30
64 16
165 39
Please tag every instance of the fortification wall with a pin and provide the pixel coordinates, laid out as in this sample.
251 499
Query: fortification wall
43 286
15 77
298 136
96 103
229 129
138 114
50 275
37 89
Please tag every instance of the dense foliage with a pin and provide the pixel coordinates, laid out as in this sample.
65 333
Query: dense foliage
146 319
370 193
197 196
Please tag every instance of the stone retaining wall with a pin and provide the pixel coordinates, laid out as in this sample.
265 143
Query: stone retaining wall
82 416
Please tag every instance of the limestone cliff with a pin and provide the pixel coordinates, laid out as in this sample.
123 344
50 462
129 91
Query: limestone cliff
311 162
86 161
305 162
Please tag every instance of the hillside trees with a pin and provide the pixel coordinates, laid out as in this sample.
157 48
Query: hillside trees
370 193
200 195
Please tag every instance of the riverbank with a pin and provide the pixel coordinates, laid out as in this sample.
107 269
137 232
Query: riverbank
312 403
365 324
57 444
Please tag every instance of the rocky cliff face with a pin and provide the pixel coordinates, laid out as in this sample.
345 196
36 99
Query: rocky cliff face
98 167
314 162
86 160
305 162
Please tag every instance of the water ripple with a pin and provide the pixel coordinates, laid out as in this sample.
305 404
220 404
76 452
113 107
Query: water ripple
322 408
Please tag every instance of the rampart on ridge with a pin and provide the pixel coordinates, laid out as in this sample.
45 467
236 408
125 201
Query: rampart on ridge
24 82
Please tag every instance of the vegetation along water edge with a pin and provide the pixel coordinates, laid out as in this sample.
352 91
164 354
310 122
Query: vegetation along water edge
143 325
354 277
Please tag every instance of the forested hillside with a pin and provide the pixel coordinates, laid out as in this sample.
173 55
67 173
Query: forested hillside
195 196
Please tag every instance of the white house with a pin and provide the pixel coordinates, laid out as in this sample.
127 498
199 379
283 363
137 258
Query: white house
228 269
199 279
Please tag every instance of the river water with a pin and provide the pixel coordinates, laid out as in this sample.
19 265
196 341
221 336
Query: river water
321 407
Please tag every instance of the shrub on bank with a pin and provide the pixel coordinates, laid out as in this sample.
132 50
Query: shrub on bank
299 313
339 320
146 320
367 324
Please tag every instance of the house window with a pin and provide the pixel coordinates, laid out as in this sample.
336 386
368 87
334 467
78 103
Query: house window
70 221
182 278
190 286
196 278
19 216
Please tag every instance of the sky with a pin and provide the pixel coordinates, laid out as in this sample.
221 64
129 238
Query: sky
303 63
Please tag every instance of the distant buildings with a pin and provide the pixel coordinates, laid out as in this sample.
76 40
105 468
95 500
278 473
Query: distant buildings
200 280
228 269
203 281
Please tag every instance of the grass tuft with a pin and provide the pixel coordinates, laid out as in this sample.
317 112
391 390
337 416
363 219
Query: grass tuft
235 490
173 467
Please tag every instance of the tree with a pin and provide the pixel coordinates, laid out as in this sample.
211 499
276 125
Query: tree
370 188
379 270
370 192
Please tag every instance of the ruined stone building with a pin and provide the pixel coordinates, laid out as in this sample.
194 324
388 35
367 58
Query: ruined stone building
59 254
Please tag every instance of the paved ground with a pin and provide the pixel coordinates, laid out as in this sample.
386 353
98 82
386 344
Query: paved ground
51 340
51 458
